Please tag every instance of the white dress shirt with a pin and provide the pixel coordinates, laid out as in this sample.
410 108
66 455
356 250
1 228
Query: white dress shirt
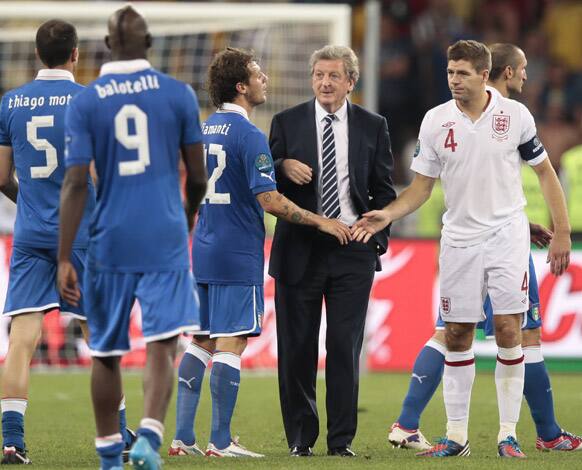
340 132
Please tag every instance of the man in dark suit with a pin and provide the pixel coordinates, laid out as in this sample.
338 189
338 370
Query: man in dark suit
331 157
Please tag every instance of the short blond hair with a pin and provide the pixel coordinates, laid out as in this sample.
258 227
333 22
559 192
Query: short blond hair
343 53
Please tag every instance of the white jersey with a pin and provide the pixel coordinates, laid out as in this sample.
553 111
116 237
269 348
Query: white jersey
479 164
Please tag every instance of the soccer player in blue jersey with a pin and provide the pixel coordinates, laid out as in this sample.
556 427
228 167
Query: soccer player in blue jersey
507 76
32 120
228 249
132 122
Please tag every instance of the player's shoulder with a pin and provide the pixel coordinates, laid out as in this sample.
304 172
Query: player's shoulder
22 89
503 101
440 116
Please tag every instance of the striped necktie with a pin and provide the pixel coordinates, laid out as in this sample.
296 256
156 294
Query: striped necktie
329 192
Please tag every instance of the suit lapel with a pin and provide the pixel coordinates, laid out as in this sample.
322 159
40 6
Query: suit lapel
310 143
354 137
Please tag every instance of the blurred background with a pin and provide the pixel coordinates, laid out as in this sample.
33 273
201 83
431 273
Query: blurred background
402 49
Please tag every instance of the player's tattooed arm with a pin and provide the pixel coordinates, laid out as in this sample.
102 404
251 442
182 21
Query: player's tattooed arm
8 183
278 205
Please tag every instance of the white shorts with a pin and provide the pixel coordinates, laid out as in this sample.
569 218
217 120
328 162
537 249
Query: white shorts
497 266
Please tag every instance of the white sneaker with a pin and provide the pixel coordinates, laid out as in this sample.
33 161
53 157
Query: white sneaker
178 448
233 450
407 438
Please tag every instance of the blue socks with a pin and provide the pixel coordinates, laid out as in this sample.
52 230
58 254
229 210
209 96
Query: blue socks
538 393
13 410
109 449
123 423
153 431
224 384
426 377
190 377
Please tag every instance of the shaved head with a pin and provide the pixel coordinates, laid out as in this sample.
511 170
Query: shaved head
128 36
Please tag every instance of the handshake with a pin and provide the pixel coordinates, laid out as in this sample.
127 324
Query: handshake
370 223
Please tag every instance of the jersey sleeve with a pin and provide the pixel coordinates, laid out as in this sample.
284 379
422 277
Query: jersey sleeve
191 132
258 163
426 160
4 131
530 147
78 139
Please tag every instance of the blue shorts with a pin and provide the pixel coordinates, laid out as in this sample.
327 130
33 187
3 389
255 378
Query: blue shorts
532 319
32 285
229 310
167 301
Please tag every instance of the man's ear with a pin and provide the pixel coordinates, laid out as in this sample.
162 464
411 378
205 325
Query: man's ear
148 40
107 43
509 73
241 88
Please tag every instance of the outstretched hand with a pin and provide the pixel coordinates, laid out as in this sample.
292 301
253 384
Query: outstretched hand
67 283
370 223
337 229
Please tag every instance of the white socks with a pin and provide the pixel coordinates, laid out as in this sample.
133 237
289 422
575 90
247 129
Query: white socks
458 378
509 379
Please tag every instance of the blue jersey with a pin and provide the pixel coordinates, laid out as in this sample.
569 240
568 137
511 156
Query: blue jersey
230 233
132 121
32 122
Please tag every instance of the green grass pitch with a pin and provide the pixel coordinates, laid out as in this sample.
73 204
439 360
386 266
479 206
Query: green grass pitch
60 426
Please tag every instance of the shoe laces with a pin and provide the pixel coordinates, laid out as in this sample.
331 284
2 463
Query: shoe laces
571 436
511 442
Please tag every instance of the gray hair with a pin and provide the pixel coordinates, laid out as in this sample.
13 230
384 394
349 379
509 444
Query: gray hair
343 53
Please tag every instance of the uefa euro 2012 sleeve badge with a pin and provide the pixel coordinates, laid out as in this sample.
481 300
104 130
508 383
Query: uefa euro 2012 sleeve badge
264 163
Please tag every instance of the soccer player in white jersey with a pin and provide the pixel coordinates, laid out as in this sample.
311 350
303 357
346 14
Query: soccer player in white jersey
507 76
474 143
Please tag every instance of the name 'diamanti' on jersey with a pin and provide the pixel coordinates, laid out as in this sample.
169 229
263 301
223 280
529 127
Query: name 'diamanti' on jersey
33 102
217 129
127 87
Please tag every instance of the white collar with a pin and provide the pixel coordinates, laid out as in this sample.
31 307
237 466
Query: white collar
54 74
340 115
124 66
233 108
494 98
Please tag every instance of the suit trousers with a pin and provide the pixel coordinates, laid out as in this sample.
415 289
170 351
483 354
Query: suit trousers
343 276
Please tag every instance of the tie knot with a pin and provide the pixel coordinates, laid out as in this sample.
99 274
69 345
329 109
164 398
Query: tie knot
330 118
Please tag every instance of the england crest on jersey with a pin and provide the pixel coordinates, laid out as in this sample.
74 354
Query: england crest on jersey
500 126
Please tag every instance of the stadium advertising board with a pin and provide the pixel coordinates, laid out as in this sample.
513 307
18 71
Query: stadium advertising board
401 314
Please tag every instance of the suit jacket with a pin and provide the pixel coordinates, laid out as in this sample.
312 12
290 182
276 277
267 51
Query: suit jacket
370 162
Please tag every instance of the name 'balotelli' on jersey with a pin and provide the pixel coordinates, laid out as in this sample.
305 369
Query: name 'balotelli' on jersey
132 121
229 238
479 164
32 122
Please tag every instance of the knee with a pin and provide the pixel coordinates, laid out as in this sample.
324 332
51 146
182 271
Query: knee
458 337
531 337
508 331
24 340
234 344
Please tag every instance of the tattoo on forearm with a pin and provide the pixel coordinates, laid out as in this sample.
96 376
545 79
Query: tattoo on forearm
296 217
286 210
266 197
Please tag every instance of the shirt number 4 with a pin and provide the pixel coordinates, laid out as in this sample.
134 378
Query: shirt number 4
450 141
